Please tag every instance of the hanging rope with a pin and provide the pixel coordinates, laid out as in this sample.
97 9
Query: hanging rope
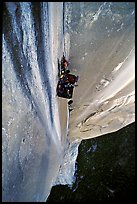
64 53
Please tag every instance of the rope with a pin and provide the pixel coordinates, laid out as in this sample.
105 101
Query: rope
64 27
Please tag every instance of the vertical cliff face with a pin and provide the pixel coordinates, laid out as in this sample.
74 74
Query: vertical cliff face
32 144
102 41
34 120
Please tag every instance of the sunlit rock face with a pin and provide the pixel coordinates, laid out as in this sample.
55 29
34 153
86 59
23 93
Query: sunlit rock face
102 41
35 150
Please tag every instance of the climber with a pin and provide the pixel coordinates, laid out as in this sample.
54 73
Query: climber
64 63
66 81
